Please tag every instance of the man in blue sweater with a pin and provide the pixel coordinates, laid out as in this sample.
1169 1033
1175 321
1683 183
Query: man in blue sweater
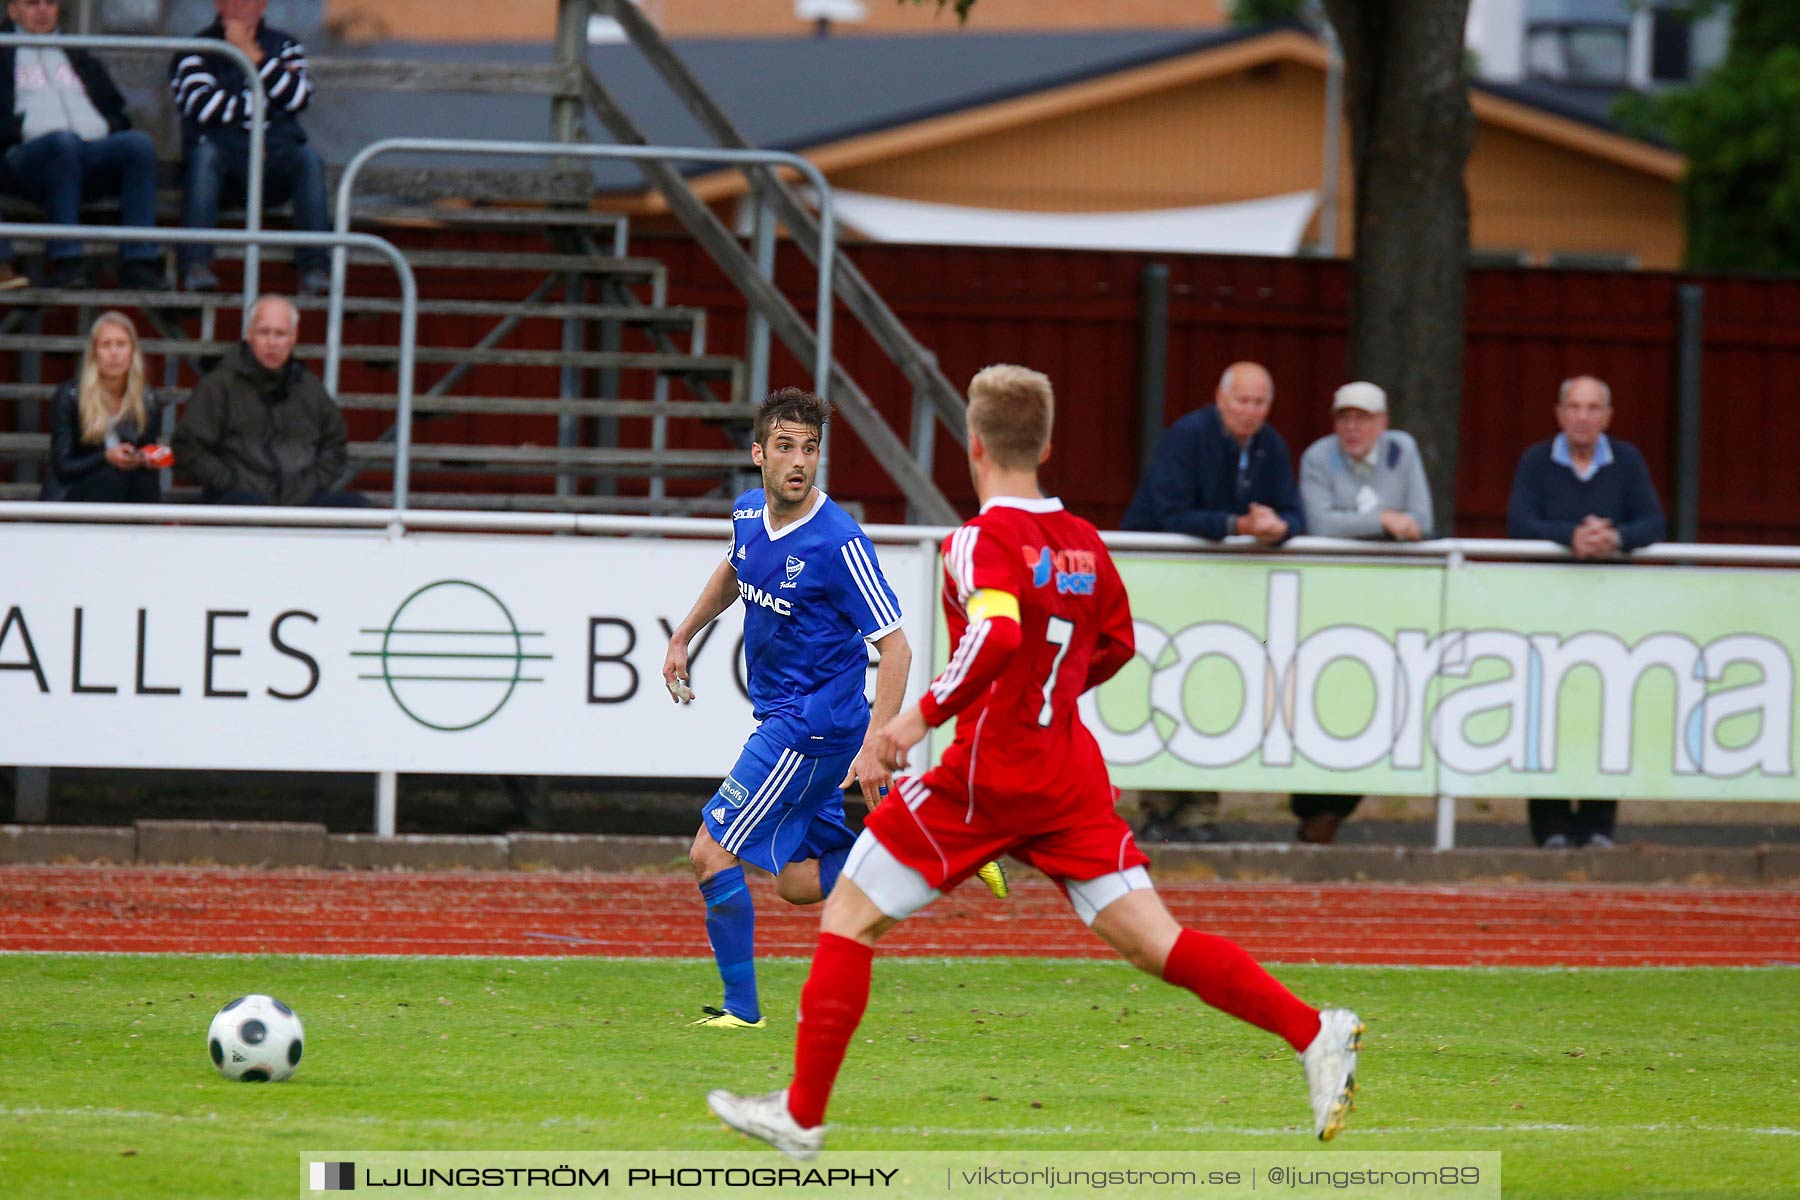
1222 469
1581 488
1593 495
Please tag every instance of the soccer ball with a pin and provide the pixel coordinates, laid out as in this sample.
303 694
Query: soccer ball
255 1039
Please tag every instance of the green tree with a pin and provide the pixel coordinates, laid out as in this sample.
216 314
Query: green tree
1407 96
1740 130
1265 12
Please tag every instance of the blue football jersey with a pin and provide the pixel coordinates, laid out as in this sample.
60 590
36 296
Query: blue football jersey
813 594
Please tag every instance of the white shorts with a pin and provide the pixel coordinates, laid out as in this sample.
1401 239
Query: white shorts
899 891
1089 896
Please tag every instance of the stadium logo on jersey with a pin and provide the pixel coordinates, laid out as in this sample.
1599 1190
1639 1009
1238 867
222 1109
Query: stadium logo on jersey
745 514
794 567
1073 570
734 792
755 595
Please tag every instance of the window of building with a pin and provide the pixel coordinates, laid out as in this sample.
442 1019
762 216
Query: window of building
1578 53
1671 46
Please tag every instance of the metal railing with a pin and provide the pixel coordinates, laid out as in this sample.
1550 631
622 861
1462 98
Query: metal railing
259 121
409 307
827 218
603 524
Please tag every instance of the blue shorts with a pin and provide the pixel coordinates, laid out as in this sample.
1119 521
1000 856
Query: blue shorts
780 806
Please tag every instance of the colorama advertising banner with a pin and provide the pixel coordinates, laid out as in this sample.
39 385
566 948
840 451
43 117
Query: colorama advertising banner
267 649
1471 680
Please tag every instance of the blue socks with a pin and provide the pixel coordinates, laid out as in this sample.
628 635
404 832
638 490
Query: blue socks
731 928
831 863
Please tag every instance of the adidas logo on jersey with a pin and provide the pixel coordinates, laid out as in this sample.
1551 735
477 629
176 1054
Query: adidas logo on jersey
741 550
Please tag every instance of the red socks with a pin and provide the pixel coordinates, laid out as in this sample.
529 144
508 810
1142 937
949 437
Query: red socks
831 1006
836 995
1220 972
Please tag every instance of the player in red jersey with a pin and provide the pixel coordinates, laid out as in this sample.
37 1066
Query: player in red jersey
1038 615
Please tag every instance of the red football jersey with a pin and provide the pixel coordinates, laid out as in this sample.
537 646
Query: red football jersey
1020 744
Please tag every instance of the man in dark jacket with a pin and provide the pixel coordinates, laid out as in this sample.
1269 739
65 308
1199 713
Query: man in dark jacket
1594 495
1217 471
64 135
1222 469
260 428
213 98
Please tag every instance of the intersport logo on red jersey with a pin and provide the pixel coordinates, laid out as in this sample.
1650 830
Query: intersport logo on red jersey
1073 571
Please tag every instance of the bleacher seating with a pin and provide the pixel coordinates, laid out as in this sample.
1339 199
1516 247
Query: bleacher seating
616 365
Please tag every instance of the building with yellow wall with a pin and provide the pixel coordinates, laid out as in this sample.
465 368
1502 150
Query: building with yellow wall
1125 121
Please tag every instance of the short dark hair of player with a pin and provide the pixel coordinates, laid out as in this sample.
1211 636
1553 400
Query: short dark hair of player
791 404
1010 409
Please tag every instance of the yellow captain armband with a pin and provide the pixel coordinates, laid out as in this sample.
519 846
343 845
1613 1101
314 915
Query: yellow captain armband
991 602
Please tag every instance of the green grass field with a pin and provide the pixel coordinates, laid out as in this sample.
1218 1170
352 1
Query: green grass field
1593 1083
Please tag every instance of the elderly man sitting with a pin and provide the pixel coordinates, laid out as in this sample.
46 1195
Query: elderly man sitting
261 428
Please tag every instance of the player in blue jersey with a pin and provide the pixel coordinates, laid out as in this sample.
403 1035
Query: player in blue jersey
814 597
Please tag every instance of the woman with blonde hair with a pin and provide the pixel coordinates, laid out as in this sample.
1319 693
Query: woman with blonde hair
104 423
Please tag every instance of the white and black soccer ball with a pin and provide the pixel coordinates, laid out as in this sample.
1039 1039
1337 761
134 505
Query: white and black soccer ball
256 1039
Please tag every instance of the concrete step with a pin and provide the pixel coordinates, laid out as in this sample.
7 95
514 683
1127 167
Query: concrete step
366 213
529 460
172 301
720 411
635 506
625 360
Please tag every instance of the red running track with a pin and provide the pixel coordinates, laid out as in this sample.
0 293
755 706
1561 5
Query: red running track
218 910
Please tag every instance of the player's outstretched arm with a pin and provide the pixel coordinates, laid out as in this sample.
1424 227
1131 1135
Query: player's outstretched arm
717 596
870 768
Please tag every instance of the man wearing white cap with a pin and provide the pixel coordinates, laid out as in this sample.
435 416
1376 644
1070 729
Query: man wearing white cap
1364 480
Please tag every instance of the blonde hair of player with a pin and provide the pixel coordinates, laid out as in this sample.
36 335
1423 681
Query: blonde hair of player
96 407
1011 409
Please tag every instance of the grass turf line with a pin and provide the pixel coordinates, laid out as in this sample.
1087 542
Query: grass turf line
1593 1083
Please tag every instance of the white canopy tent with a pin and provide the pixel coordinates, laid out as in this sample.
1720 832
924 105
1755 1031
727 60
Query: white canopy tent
1272 225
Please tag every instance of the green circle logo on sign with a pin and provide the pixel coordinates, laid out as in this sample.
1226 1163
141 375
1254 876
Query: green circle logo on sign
451 655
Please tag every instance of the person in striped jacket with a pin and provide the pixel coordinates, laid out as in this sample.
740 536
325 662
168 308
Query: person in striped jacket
213 96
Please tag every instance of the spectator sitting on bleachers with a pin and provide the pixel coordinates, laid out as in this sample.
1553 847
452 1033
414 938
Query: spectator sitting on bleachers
214 100
261 428
104 422
65 135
